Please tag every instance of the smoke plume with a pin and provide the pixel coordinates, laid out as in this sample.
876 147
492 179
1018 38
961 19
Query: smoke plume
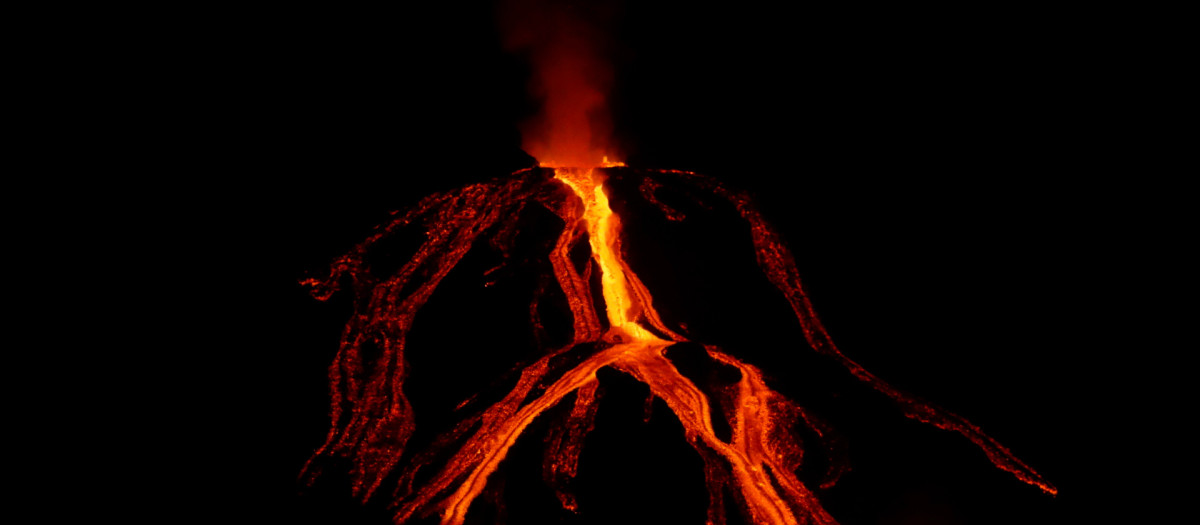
566 43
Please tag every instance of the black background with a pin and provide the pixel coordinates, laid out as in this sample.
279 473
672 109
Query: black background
932 170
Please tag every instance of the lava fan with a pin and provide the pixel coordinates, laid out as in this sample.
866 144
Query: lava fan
588 312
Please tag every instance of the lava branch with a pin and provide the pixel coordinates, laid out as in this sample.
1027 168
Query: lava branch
380 421
372 418
779 265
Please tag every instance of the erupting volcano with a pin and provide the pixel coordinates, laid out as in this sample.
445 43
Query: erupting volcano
751 438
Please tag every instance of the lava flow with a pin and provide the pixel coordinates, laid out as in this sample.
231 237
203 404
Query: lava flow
372 418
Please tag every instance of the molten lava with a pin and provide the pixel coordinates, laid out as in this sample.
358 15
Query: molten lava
372 419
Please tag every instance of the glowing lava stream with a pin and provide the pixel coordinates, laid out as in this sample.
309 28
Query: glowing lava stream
639 352
624 296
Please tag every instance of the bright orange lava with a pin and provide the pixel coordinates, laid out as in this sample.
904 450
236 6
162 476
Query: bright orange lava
758 464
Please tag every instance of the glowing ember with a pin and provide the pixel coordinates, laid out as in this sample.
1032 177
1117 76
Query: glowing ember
372 419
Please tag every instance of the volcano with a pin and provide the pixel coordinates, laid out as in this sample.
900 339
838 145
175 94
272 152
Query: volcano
491 320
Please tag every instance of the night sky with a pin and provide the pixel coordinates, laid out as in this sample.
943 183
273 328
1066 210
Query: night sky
918 163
